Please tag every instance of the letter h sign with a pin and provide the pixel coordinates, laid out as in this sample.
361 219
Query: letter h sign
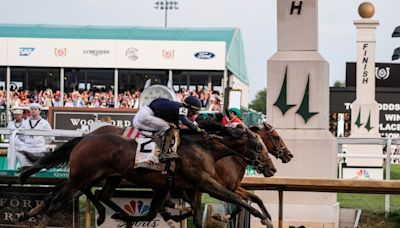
296 6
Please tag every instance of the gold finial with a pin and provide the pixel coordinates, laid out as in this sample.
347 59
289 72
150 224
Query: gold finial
366 10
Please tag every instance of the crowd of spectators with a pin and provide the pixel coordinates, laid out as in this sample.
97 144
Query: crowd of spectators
211 100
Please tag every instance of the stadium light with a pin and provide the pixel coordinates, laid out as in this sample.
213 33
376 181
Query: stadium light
166 5
396 53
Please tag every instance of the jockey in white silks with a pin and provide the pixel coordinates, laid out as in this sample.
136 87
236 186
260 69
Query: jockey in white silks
34 144
159 113
15 142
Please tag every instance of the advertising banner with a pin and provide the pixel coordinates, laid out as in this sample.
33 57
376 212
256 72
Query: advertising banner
131 54
136 203
16 200
75 118
171 55
389 107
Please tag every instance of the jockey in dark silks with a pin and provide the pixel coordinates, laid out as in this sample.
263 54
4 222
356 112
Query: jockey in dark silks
160 112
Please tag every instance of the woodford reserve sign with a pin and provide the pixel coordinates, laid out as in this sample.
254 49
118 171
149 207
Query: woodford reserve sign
75 118
14 201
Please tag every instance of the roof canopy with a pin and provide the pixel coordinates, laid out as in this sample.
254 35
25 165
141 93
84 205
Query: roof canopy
235 59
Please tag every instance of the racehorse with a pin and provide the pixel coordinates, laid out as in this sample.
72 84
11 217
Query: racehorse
97 157
227 176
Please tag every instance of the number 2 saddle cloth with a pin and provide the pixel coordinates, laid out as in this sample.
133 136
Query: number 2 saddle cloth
147 150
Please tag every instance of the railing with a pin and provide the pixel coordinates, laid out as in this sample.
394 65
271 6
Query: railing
35 132
370 141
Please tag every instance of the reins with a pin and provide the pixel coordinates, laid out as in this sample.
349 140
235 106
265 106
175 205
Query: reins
279 149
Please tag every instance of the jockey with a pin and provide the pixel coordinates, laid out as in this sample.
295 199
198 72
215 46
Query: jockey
233 118
160 112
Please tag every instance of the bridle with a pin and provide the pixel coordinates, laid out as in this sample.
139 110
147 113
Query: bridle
278 148
250 157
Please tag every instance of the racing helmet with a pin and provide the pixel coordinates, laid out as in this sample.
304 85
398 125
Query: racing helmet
193 103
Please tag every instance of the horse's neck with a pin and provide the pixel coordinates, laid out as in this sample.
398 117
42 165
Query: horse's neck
230 171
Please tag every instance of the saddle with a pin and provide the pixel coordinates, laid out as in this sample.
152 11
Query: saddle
150 146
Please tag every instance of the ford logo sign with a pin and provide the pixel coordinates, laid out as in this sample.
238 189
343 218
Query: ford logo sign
204 55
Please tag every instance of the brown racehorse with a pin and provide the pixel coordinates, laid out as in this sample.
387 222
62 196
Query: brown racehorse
99 156
227 176
225 173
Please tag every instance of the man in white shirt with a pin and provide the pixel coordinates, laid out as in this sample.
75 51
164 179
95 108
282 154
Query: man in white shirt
34 144
15 143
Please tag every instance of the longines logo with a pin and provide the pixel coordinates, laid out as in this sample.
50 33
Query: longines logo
96 52
60 52
131 53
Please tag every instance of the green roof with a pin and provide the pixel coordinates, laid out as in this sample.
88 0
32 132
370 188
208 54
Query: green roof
235 59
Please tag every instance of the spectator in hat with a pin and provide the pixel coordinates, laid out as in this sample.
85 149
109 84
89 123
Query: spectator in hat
15 142
34 144
18 117
215 103
232 118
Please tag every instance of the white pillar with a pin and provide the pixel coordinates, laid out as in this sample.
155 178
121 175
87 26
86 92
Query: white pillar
62 75
298 106
365 109
116 105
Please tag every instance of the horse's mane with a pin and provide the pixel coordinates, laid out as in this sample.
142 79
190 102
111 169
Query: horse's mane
212 126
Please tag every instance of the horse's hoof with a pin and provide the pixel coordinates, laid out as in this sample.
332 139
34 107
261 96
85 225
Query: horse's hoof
221 218
100 220
267 223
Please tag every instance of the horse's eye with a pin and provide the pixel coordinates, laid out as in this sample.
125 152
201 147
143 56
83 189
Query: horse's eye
259 147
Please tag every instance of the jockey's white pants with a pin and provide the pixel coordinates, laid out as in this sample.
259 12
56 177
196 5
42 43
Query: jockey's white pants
145 120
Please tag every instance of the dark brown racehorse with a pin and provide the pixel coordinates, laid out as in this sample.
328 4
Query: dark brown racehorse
225 174
99 156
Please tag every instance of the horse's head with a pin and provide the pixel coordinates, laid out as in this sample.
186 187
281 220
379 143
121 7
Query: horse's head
251 147
273 141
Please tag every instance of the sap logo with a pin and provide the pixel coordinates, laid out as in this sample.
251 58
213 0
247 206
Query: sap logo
204 55
25 51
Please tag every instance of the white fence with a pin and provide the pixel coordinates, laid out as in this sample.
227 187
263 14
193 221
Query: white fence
370 141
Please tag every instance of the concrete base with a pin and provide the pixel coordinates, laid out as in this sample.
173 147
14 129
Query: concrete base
315 156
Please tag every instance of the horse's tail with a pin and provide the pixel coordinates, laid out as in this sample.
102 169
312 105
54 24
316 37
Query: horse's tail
58 157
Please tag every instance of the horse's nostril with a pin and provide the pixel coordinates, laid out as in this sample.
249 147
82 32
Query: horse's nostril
273 170
290 155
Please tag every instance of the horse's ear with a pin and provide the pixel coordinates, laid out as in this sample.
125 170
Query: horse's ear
254 128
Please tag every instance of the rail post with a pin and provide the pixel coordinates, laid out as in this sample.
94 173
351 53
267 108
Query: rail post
280 222
388 163
87 214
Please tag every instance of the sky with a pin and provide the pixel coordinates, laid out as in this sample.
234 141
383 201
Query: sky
256 19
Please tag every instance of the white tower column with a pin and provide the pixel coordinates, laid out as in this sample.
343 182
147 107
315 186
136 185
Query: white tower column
365 109
298 106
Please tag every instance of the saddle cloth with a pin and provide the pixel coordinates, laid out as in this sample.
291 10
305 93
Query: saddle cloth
147 152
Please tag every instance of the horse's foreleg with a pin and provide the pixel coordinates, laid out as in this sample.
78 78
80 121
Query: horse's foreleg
254 198
218 191
195 203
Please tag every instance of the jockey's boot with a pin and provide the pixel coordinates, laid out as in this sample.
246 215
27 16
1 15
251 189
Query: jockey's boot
168 138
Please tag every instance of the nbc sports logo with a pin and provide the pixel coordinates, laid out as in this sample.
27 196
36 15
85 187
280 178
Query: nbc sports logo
138 207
